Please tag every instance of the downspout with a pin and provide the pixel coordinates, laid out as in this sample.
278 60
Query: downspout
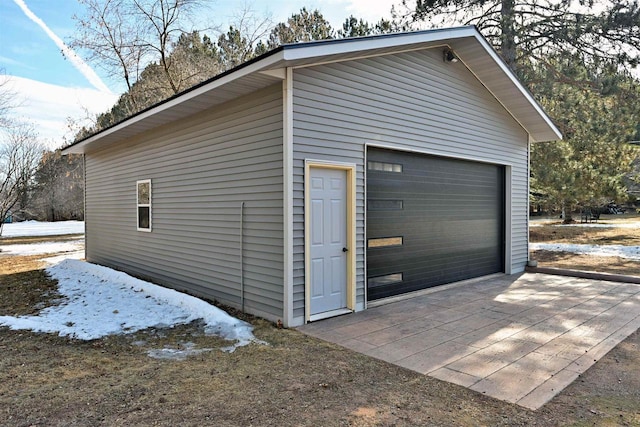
242 256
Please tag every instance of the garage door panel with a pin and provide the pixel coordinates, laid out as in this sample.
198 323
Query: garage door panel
448 215
442 269
428 259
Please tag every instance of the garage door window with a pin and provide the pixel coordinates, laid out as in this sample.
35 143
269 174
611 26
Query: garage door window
385 167
388 279
384 242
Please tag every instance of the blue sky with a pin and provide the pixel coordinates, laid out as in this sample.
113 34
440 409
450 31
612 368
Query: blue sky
25 49
51 88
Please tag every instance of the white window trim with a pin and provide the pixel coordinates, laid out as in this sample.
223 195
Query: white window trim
142 205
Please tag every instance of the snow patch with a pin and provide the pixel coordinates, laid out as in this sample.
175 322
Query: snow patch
175 353
44 248
59 258
98 301
37 228
628 252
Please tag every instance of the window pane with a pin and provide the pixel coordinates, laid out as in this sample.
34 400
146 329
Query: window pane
389 279
385 241
144 189
144 217
384 167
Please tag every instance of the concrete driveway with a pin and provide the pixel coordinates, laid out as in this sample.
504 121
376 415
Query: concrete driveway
521 339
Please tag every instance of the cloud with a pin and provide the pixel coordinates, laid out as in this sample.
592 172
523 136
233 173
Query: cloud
48 106
77 62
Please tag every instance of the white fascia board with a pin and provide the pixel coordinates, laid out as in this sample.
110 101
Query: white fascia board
509 74
346 46
226 79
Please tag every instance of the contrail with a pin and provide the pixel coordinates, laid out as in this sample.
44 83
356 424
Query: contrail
77 62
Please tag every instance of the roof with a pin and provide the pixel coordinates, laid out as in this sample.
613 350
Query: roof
469 45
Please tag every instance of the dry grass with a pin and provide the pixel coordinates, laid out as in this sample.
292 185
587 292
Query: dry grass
566 260
584 235
46 380
38 239
553 233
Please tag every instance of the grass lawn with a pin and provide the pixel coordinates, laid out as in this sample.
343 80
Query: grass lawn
295 380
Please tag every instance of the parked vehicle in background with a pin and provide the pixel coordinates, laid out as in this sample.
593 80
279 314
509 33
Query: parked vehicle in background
612 209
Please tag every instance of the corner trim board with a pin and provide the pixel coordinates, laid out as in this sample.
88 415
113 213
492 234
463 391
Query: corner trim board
287 166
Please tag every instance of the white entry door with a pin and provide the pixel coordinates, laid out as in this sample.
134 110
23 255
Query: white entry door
328 240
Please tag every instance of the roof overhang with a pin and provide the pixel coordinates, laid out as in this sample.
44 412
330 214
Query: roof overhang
468 44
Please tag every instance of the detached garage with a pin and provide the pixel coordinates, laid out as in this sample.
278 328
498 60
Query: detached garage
321 176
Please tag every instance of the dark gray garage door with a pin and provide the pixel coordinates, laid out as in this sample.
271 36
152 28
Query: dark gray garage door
430 221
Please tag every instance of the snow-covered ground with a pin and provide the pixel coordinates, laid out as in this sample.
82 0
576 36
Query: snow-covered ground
629 252
64 247
99 301
36 228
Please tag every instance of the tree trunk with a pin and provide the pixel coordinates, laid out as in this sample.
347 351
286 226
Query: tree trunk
508 33
567 218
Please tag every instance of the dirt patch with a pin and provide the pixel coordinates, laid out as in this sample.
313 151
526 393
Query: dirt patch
608 394
19 264
46 380
585 235
38 239
600 264
25 291
552 233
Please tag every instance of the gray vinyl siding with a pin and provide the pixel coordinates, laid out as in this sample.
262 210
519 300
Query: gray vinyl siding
411 101
202 169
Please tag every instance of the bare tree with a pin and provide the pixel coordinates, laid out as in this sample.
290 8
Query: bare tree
79 126
8 99
20 153
243 41
58 190
124 36
162 25
112 38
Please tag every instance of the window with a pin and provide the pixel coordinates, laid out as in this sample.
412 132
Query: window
144 205
384 167
389 279
384 242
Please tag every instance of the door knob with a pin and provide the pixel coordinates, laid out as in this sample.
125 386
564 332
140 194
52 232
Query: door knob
345 250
